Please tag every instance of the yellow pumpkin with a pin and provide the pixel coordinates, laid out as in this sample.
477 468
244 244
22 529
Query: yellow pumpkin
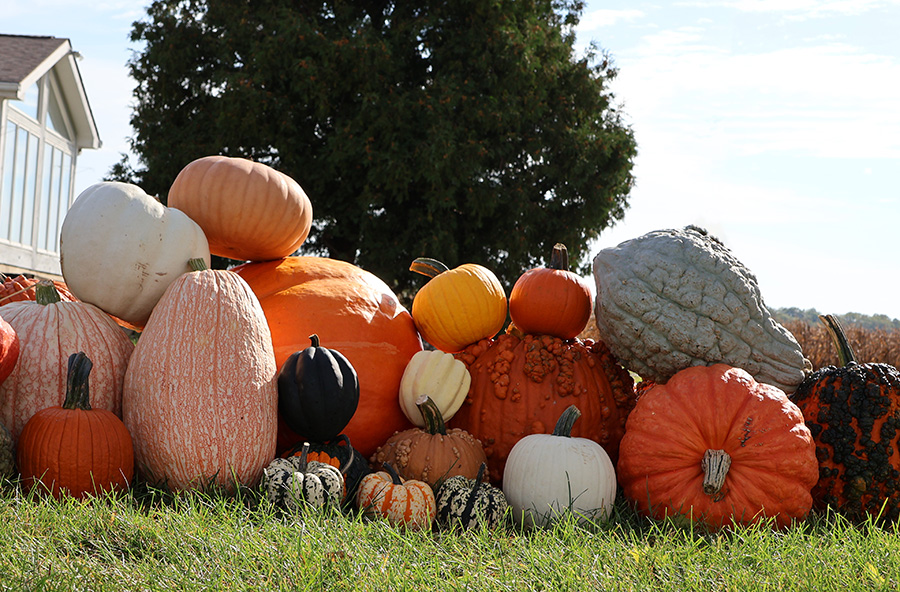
457 307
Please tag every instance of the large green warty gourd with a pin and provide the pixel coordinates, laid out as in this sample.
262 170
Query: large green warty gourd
671 299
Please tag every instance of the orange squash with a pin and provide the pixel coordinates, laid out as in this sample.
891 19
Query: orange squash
200 395
73 449
248 210
521 384
49 330
353 312
409 503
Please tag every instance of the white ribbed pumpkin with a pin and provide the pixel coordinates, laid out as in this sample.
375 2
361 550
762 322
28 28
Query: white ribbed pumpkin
439 375
200 395
121 248
550 475
50 331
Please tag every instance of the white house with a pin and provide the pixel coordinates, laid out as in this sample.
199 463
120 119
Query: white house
45 122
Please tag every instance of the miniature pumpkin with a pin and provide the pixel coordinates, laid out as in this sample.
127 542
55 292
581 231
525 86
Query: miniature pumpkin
551 300
853 412
318 392
120 248
408 503
248 210
355 313
200 394
457 307
49 329
73 449
7 458
431 454
470 502
19 288
521 382
549 475
9 349
290 483
439 375
677 298
714 446
340 454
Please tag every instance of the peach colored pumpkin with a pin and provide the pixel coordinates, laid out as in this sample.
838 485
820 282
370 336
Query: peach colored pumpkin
356 314
200 396
248 210
49 331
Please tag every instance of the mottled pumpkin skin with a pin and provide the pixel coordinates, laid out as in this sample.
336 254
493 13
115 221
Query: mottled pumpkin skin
521 385
773 465
353 312
853 413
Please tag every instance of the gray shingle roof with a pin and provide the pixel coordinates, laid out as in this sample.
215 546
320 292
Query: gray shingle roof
21 54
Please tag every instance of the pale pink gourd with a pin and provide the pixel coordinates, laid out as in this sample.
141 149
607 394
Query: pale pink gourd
200 395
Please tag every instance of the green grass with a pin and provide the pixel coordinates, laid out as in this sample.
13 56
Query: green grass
150 540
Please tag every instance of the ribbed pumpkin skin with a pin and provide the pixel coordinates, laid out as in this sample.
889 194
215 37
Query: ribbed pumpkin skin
248 210
9 349
353 312
521 384
48 334
404 503
773 461
459 307
200 394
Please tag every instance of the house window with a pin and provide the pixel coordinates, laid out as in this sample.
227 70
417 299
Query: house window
38 165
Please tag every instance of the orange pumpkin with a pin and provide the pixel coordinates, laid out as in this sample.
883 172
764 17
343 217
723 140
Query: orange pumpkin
712 445
200 395
73 449
248 210
521 384
49 330
406 503
433 454
9 349
355 313
551 300
457 307
21 288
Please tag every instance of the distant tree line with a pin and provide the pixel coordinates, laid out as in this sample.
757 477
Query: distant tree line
811 316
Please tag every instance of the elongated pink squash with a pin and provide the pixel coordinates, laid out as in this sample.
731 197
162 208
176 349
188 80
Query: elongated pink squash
49 331
200 398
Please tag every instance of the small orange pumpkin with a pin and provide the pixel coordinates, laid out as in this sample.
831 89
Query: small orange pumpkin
248 210
551 300
407 503
73 449
457 307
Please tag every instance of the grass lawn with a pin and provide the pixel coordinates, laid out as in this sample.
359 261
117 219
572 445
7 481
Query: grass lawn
150 540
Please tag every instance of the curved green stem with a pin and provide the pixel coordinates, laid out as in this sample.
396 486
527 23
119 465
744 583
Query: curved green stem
46 293
197 264
434 419
839 339
566 421
428 267
77 383
395 477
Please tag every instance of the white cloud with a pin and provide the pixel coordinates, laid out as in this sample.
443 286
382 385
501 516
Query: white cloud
797 9
597 19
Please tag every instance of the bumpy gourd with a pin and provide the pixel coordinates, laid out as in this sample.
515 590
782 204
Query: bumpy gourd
470 502
294 482
671 299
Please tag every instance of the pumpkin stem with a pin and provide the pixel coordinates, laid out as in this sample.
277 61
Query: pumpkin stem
304 453
434 419
428 267
566 421
395 477
46 293
197 264
559 258
77 386
314 340
473 494
839 339
715 465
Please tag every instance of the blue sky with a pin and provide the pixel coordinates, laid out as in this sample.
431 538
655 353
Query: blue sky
775 124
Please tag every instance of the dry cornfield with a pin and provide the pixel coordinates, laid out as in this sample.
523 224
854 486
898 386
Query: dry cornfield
869 345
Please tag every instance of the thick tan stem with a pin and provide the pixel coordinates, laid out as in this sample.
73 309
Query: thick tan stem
715 465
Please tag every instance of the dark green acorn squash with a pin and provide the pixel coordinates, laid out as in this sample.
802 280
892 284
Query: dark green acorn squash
470 502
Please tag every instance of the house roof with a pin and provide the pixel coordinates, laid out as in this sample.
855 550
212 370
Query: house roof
25 58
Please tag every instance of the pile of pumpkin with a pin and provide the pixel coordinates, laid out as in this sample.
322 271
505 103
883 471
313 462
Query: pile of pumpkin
306 377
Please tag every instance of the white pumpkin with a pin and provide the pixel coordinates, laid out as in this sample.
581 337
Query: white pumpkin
549 475
439 375
121 248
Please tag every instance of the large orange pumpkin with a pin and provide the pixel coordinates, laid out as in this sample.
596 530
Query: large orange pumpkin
49 330
248 210
356 314
200 396
522 383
